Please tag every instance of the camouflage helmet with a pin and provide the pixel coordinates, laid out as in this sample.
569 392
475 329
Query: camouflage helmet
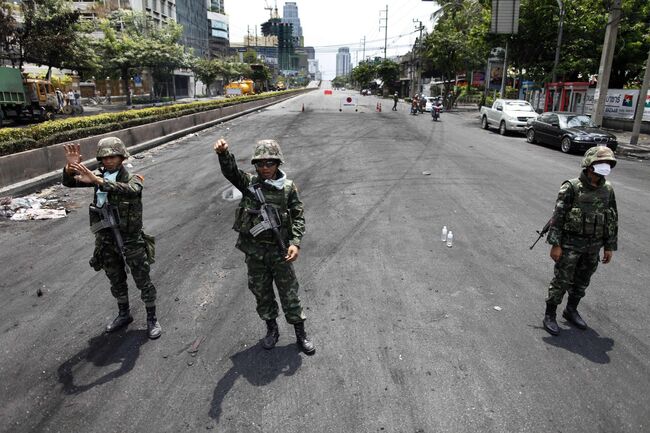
598 154
267 149
111 146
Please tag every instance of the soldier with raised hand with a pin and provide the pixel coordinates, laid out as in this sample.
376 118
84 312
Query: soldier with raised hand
266 263
115 188
584 221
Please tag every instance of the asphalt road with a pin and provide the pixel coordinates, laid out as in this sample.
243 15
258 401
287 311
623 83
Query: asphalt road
408 338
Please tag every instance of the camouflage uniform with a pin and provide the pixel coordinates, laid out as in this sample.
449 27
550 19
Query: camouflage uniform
263 259
126 194
584 221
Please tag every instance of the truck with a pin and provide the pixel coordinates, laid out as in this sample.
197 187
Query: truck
22 99
507 115
239 88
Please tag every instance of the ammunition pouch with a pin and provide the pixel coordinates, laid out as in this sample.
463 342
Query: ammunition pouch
150 247
96 260
592 224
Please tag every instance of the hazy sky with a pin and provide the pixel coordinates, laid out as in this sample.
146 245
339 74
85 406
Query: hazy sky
330 24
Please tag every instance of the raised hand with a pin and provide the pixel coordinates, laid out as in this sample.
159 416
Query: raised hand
220 146
84 174
72 154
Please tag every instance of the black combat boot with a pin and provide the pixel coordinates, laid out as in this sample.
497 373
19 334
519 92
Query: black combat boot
272 334
549 320
571 313
153 327
303 341
123 318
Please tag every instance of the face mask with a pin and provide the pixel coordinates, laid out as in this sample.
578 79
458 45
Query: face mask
602 169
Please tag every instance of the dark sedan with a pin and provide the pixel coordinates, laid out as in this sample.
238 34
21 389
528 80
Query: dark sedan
568 131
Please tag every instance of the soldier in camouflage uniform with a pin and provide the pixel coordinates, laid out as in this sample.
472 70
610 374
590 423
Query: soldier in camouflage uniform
584 221
115 185
266 263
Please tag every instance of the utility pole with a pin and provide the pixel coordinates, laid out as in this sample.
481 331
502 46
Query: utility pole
606 59
385 27
418 72
364 49
559 40
640 105
505 71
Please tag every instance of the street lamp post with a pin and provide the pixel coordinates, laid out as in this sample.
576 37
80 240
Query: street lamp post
559 40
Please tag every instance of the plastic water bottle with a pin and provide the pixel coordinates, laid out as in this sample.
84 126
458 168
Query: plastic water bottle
443 237
450 238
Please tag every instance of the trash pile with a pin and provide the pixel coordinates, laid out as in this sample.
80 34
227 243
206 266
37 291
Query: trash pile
41 206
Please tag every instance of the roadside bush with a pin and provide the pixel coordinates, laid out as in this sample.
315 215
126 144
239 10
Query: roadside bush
14 140
15 146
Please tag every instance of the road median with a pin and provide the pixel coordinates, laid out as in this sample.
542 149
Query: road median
32 169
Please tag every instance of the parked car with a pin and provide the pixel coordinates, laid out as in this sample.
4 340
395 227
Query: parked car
568 131
508 115
431 101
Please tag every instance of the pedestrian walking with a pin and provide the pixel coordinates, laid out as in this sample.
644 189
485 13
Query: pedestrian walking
584 221
270 222
395 100
77 98
70 97
59 99
116 221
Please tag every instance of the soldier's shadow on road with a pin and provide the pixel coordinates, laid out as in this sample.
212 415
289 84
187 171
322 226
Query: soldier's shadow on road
587 343
121 348
259 367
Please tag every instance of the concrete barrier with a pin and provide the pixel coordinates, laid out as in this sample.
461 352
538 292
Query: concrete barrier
30 170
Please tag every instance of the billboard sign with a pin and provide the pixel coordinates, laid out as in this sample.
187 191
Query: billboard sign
505 17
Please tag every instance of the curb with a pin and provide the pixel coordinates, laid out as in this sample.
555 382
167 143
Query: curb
39 182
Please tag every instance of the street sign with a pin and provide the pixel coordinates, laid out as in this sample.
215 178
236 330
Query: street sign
505 17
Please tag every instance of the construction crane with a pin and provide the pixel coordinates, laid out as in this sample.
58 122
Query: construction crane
273 11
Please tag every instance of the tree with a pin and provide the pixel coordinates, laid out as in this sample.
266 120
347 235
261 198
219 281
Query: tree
364 73
261 75
250 56
459 40
388 71
133 41
8 28
340 81
207 70
52 34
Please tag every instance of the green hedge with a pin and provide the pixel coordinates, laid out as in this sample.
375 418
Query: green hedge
14 140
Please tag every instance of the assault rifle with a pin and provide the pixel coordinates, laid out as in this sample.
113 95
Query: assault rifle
110 219
270 218
543 232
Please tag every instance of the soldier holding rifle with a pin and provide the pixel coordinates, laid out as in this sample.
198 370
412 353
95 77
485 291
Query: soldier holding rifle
270 224
116 220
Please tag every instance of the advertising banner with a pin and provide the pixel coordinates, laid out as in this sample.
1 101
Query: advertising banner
620 104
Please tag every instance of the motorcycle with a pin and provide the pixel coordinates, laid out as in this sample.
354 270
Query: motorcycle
414 108
435 112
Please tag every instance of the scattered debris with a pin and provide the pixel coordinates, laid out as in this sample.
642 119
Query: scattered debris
39 293
231 194
138 156
129 165
195 346
496 307
426 173
46 204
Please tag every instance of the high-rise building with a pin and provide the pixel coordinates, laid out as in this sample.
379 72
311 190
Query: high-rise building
290 16
192 15
343 62
219 36
216 6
